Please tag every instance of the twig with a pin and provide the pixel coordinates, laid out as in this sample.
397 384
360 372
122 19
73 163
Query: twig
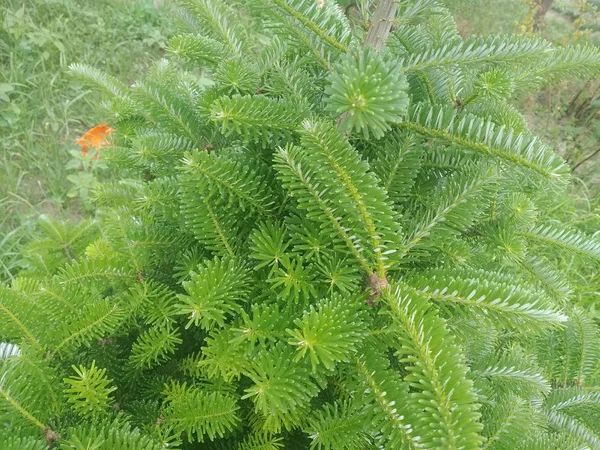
572 103
587 158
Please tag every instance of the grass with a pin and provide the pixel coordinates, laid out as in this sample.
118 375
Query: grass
487 17
43 110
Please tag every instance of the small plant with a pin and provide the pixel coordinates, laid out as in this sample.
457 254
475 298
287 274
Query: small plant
86 163
84 179
345 240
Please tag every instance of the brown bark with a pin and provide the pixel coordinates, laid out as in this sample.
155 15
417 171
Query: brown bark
381 24
538 18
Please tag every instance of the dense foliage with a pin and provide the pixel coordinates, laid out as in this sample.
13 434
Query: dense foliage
314 243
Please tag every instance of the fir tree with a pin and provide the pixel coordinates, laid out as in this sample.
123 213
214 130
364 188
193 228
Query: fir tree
342 240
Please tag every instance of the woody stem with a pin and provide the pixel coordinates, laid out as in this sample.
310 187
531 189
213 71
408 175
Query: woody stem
381 24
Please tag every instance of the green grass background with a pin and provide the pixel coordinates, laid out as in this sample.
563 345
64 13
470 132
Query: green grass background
43 110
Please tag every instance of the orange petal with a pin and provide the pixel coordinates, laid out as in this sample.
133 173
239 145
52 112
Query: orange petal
95 137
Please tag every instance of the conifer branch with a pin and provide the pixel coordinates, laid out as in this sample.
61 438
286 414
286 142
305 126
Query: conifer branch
310 25
386 287
218 227
19 323
485 137
14 403
105 317
286 157
377 35
430 355
516 414
388 396
44 376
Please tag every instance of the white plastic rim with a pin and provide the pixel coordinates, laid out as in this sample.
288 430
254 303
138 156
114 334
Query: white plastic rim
7 350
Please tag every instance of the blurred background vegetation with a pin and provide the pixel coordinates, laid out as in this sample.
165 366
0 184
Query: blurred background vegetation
43 111
566 115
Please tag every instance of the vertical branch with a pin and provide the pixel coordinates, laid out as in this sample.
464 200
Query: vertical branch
381 24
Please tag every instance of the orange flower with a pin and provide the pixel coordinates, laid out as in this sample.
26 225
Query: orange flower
95 137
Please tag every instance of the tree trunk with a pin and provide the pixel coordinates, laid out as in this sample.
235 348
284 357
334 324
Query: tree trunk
381 24
538 18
